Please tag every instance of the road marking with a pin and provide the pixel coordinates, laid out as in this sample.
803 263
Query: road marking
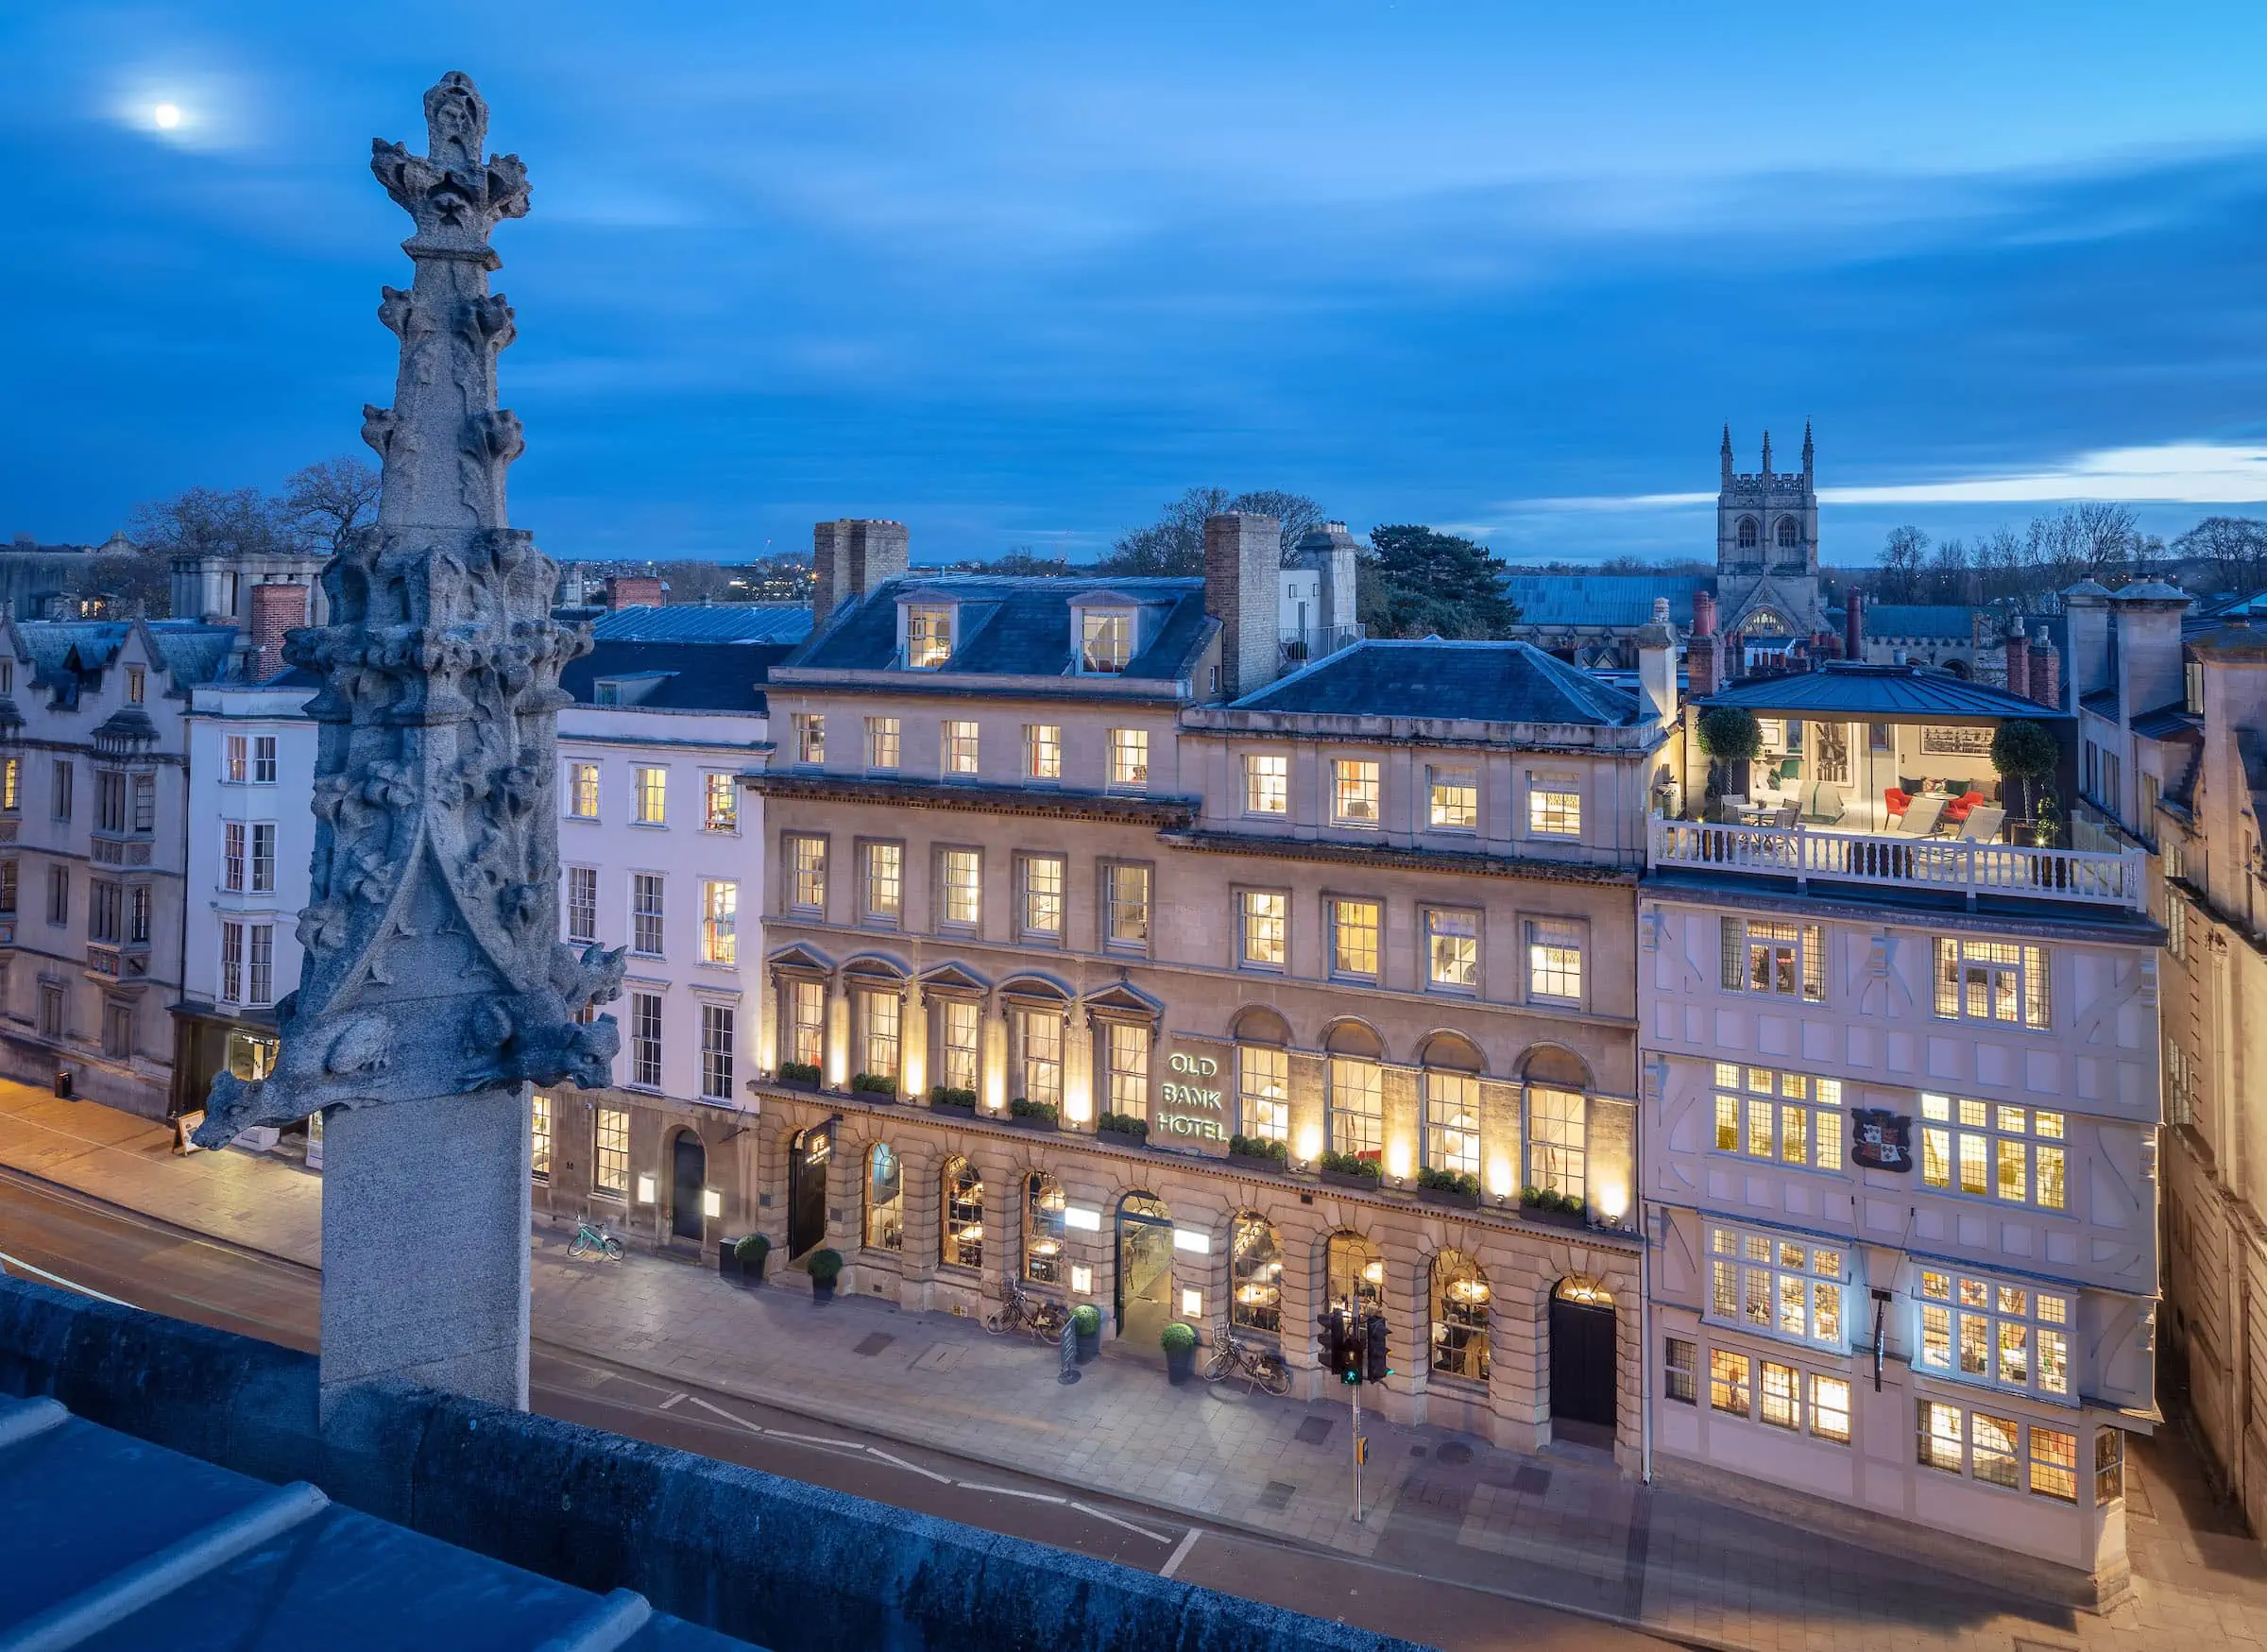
674 1400
58 1279
1012 1491
1181 1554
728 1417
916 1468
1155 1537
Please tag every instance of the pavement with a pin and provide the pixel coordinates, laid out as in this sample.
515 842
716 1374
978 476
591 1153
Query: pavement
1562 1529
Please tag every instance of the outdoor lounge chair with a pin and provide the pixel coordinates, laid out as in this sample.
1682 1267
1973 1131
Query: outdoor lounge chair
1826 804
1919 818
1982 825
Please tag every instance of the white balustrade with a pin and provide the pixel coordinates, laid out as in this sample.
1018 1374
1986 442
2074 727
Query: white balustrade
1804 853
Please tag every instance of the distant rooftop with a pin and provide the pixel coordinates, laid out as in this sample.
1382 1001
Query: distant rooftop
1015 626
683 676
1612 600
1482 682
1879 692
788 622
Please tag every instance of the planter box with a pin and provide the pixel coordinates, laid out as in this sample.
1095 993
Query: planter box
728 1261
796 1084
1445 1196
1180 1365
1556 1218
872 1095
952 1107
1089 1344
822 1290
1118 1138
1348 1179
1264 1167
1048 1124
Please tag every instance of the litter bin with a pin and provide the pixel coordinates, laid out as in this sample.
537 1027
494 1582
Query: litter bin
62 1082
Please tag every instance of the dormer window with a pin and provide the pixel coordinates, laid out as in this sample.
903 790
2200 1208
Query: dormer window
928 637
1105 640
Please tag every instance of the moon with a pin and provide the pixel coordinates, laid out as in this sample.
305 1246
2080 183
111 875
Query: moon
167 115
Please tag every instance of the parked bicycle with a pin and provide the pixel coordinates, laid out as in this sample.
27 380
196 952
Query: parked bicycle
1045 1319
589 1239
1260 1368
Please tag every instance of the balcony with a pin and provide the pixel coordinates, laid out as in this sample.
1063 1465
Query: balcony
111 850
1297 648
1871 859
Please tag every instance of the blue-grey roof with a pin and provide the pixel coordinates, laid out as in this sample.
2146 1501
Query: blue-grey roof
1603 599
788 622
1472 682
85 1505
689 677
1015 626
1878 693
1937 622
67 654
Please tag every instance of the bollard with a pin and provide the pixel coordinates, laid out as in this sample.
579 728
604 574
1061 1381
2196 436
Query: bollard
1070 1373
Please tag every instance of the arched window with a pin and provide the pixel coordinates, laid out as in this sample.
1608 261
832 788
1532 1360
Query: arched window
1789 537
1557 1129
1747 534
1355 1274
963 1240
1256 1275
1459 1316
885 1199
1043 1230
1263 1075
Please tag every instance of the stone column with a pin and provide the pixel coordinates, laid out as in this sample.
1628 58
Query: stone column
434 988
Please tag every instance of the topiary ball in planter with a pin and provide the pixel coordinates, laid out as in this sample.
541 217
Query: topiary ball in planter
1086 1319
751 1251
825 1266
1180 1344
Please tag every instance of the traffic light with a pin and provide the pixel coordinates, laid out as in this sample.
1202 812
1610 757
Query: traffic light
1374 1367
1342 1346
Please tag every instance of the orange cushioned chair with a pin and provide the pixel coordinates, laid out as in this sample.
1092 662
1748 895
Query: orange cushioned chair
1896 801
1961 806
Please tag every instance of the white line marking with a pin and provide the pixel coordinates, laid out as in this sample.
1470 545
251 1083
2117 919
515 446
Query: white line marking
751 1427
673 1400
59 1279
1012 1491
804 1438
1181 1554
915 1468
1155 1537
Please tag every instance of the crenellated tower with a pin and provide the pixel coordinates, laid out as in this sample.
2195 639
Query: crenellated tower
1767 545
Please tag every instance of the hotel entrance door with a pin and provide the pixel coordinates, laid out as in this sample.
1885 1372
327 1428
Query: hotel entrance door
1144 1268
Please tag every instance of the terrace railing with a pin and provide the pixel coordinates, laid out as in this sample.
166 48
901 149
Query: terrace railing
1805 854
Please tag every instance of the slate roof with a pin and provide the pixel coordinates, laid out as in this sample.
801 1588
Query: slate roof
1015 627
695 676
1473 682
1878 693
1611 600
786 622
1937 622
189 651
2174 722
2102 702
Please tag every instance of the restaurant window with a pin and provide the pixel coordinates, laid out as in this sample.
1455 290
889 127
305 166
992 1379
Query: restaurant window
539 1146
963 1243
877 1019
1679 1372
1763 957
582 790
1991 1150
1129 759
1353 1275
883 744
720 804
645 1040
807 874
927 637
1358 1111
885 1199
2009 1336
958 1034
961 886
1730 1383
1267 783
1039 1053
884 883
1353 930
1452 794
646 913
264 759
1451 949
610 1155
1043 751
1555 960
1996 1450
1452 1122
811 739
1127 1056
1105 640
1354 792
807 1022
1255 1275
652 795
1043 1237
1263 931
960 746
1556 1139
1790 1118
1126 900
1043 876
716 1052
1262 1084
1554 807
1459 1305
1991 980
1776 1285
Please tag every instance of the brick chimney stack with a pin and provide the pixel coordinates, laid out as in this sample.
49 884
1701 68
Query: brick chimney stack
1701 655
633 590
2019 660
850 558
277 607
1243 553
1853 626
2046 675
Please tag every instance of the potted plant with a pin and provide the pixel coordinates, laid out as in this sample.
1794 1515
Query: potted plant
1123 1129
1274 1155
874 1085
1358 1171
1457 1188
1035 1114
1729 737
2025 753
799 1075
1180 1344
749 1256
1561 1210
826 1268
951 1100
1087 1321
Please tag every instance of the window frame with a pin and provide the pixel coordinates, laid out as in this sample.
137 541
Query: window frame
943 891
872 852
2015 1446
799 878
1954 973
720 929
883 1217
1033 902
1117 625
1556 1143
1244 917
1738 1101
1368 791
649 794
1263 1091
1122 744
1989 1315
1532 944
1945 1133
1333 912
1541 786
960 748
1111 907
1435 786
1359 1130
810 731
1043 752
583 795
1433 924
644 1047
719 1033
1741 949
724 821
1267 782
580 879
928 628
610 1122
1734 1263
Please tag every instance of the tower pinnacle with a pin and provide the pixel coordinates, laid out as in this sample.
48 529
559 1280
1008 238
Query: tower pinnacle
1726 456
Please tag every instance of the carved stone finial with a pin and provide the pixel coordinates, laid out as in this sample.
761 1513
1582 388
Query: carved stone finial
433 963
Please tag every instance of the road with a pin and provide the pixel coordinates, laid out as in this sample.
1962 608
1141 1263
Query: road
120 1253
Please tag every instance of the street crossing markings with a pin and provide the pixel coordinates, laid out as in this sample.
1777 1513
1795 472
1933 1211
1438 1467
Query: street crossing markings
1188 1542
1155 1537
916 1468
674 1400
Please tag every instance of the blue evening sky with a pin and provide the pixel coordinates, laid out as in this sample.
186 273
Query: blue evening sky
1016 274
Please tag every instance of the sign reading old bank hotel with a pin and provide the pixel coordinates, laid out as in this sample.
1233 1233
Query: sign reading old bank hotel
1127 942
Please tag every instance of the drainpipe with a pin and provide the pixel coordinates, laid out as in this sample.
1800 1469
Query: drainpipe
1654 1218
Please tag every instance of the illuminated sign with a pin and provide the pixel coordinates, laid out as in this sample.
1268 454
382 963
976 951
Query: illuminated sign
1188 1106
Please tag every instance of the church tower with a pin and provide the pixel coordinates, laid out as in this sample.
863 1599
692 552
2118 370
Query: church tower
1767 548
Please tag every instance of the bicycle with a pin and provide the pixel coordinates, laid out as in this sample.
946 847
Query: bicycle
1260 1368
589 1239
1045 1319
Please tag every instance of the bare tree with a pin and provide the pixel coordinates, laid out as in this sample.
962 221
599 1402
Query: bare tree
2110 536
327 501
1901 564
2233 550
1174 543
694 580
1950 578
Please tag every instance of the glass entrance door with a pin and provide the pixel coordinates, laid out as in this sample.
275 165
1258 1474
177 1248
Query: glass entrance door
1144 1268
